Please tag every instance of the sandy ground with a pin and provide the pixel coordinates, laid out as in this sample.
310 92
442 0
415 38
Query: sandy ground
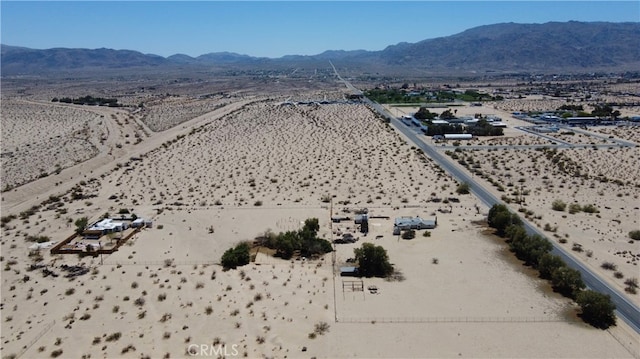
606 178
254 165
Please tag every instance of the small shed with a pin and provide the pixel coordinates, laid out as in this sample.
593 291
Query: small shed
348 271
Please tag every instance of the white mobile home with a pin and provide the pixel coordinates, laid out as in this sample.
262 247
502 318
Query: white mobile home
458 136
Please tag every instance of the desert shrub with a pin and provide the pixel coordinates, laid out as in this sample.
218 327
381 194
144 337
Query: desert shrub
574 208
589 208
139 302
409 234
635 235
558 205
609 266
113 337
618 275
631 290
463 188
577 247
632 282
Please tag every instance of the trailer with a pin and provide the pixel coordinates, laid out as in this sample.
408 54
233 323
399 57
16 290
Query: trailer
458 136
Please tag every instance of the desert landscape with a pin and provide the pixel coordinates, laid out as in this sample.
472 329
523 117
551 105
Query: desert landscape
210 171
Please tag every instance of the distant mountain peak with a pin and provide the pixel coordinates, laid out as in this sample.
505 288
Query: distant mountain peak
551 46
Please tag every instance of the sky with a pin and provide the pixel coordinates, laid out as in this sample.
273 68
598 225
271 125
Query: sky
273 28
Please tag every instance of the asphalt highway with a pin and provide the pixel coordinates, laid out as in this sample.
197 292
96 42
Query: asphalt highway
625 310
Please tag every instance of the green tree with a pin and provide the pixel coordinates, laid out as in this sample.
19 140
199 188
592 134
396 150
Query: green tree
236 257
500 218
286 244
530 248
311 225
373 261
447 115
548 263
597 309
424 114
81 224
567 281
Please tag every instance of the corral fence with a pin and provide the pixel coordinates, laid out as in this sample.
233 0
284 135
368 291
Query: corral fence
44 331
167 263
633 348
375 320
58 248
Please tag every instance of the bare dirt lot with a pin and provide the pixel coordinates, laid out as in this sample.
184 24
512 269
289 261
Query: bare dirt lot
213 171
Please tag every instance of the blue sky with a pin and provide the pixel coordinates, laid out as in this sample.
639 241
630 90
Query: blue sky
273 29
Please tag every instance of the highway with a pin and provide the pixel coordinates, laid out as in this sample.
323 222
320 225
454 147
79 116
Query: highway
625 310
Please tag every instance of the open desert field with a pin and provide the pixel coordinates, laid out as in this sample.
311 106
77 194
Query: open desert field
230 168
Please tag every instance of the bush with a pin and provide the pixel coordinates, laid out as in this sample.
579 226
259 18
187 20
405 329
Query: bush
81 224
321 328
574 208
236 257
632 282
113 337
463 188
558 205
635 235
409 234
597 309
609 266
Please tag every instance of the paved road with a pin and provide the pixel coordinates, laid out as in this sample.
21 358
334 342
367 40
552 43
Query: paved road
625 310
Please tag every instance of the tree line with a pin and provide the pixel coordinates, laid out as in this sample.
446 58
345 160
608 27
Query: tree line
304 242
89 100
597 309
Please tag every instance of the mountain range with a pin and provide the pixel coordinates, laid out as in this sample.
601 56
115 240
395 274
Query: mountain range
508 47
